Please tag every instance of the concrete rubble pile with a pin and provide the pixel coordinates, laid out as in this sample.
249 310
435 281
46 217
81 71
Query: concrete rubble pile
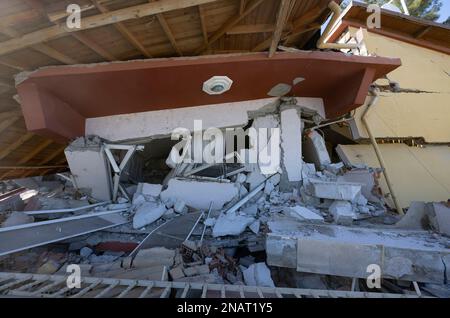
247 226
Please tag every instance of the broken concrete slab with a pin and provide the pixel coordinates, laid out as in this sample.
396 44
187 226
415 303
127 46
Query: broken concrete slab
200 194
315 151
149 189
147 213
348 251
231 224
366 178
89 166
255 226
439 216
334 190
302 213
342 212
258 275
153 257
415 218
17 218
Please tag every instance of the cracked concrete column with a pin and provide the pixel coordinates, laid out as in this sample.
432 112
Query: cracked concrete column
291 147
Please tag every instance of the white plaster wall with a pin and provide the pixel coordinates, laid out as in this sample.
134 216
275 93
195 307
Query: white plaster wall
163 122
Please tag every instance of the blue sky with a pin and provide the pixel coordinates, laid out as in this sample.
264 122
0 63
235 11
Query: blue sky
445 10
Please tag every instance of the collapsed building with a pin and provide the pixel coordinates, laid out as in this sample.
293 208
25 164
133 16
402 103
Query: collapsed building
144 211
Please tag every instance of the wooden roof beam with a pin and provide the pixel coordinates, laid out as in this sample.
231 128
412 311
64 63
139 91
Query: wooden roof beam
168 32
229 24
124 31
41 146
284 12
46 160
19 142
241 7
422 32
8 122
165 26
251 28
39 6
42 48
95 21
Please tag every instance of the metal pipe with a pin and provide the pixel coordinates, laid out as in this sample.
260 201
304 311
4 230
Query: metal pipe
321 43
373 141
207 217
193 228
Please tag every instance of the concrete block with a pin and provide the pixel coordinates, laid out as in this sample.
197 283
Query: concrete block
199 194
147 213
334 190
231 224
149 189
440 217
342 212
258 275
315 151
302 213
176 273
415 218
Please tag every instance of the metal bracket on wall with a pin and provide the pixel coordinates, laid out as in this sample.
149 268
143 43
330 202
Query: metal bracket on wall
119 167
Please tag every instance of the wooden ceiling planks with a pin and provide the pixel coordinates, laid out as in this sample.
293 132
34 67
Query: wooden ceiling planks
186 31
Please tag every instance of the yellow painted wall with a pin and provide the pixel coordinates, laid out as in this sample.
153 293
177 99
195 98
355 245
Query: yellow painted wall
418 174
410 114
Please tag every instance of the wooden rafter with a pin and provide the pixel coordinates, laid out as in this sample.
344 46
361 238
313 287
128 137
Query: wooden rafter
83 38
422 32
12 64
282 17
166 28
241 7
5 124
30 155
229 24
201 13
96 21
19 142
40 47
46 160
168 32
251 28
300 25
124 31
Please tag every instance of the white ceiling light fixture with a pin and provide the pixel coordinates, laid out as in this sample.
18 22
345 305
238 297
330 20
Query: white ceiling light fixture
217 85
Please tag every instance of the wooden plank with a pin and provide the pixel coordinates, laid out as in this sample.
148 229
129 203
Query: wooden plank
124 30
10 113
46 160
83 38
282 17
19 142
29 156
203 24
251 28
422 32
229 24
8 123
95 21
42 48
168 32
241 7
